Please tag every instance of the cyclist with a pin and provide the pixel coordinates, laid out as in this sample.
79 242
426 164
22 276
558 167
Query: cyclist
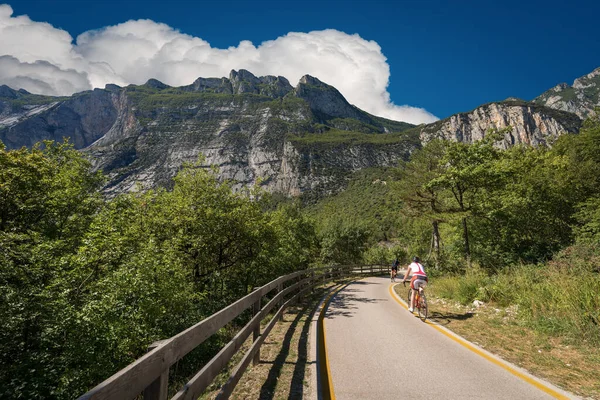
394 270
419 279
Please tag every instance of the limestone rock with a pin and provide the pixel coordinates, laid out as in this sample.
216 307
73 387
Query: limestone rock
531 124
582 98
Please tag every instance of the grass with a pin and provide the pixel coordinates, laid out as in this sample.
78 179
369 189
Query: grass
34 99
559 298
544 318
284 368
572 365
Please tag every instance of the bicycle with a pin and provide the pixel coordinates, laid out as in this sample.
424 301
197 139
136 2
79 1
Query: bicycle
420 301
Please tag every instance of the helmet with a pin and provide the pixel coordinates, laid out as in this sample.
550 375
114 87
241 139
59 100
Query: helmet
416 259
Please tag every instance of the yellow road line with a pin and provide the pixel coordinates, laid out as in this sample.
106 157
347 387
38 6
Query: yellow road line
324 370
483 354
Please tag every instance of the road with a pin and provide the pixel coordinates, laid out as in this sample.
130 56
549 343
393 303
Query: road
377 350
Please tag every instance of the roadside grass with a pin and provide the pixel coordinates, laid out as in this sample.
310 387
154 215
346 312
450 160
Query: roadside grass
571 364
284 368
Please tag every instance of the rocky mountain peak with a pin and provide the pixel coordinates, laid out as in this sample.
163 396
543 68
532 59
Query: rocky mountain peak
243 81
591 79
111 87
8 93
532 124
211 85
242 75
311 80
581 98
326 101
156 84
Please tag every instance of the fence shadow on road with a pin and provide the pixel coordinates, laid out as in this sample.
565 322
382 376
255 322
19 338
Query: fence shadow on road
344 303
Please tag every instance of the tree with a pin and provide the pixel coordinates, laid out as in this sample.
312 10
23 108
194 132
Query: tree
419 198
48 198
465 171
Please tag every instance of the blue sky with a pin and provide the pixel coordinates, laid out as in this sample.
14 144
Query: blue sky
445 57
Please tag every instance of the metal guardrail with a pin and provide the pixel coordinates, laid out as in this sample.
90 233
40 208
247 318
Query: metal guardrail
149 374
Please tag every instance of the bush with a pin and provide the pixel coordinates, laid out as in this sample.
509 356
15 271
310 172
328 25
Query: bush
381 254
462 288
557 298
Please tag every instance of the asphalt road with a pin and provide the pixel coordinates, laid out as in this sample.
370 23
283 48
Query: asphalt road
377 350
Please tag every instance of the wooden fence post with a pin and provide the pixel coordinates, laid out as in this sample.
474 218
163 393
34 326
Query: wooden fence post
279 289
256 332
159 388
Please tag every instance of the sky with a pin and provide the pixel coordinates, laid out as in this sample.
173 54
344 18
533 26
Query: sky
415 61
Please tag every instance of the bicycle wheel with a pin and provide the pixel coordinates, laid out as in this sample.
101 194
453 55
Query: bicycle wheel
422 307
408 297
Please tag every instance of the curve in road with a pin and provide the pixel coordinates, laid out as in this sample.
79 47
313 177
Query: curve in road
376 349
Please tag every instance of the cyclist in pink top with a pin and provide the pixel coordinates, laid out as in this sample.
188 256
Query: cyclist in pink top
419 279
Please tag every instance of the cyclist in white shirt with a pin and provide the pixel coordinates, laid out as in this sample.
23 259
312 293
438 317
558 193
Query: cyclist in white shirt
419 279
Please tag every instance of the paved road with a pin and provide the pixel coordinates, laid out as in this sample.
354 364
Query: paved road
372 342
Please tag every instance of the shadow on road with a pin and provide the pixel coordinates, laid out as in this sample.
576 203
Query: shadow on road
343 303
447 317
364 283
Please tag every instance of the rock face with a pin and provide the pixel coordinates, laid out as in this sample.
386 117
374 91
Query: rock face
325 99
255 129
581 98
295 140
26 119
532 124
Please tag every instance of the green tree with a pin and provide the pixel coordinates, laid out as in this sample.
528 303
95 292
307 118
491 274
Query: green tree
48 198
420 199
343 242
465 173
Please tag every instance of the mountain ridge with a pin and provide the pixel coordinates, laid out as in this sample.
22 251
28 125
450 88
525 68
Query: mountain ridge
581 98
263 130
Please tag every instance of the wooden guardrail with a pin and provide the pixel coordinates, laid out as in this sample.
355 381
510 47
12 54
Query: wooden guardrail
150 373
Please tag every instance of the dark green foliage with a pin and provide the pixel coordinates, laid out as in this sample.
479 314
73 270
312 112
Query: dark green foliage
343 242
47 201
521 205
367 200
86 284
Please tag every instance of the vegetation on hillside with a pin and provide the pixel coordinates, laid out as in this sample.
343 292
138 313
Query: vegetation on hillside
517 227
87 283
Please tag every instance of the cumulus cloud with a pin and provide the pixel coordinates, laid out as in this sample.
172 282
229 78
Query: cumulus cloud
43 59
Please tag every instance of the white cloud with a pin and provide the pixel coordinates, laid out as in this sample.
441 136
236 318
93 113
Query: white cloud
44 59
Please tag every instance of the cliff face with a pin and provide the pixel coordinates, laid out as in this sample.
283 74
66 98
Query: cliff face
532 124
26 119
253 128
581 98
257 129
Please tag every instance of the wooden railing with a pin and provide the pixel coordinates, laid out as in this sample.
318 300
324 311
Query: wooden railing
150 373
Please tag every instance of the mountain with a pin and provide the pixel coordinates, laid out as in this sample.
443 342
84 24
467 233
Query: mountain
580 98
555 112
532 124
255 129
297 140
